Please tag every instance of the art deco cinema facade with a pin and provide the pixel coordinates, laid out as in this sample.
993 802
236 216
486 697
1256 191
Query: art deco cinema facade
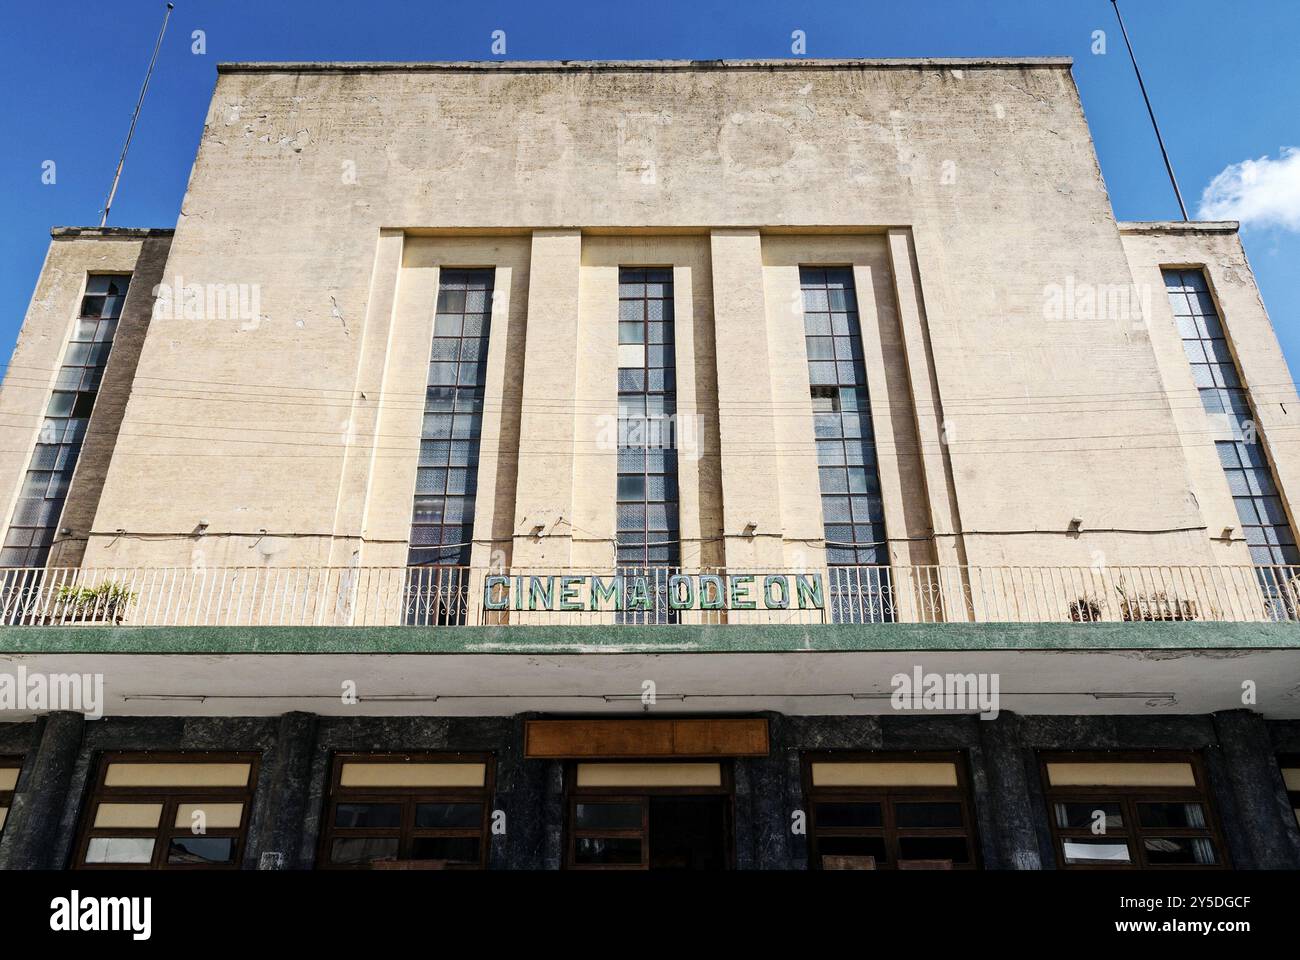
648 465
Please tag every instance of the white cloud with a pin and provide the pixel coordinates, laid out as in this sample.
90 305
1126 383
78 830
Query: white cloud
1263 192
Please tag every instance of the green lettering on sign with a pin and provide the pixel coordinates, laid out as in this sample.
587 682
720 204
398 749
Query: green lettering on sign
644 591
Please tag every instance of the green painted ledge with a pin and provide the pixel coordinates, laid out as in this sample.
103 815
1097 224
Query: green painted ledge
765 638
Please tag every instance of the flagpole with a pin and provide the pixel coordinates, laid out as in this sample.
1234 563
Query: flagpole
1159 139
117 174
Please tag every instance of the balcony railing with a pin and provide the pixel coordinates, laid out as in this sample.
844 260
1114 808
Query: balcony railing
461 596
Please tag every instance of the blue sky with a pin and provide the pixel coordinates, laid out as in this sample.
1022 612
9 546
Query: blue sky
1223 78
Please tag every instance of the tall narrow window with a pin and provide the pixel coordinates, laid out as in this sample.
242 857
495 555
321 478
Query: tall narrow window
647 532
852 509
442 523
1250 477
45 487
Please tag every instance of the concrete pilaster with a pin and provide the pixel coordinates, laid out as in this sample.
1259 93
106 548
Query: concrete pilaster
930 430
544 499
751 492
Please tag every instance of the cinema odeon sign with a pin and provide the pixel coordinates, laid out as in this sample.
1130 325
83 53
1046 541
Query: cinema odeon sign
645 591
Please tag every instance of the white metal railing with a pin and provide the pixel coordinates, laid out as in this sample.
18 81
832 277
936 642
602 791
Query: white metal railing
458 596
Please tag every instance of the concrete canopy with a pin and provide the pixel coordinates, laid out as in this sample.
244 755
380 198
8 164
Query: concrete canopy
1065 682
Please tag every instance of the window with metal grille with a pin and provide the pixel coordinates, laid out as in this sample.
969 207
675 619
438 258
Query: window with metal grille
45 486
442 522
852 509
1250 477
647 531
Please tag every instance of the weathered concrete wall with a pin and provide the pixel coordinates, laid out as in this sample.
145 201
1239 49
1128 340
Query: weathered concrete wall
986 168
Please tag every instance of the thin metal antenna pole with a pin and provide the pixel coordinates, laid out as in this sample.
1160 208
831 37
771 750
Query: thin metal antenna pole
1159 139
117 174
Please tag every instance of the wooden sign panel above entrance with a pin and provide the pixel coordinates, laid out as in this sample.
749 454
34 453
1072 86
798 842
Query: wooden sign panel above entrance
609 739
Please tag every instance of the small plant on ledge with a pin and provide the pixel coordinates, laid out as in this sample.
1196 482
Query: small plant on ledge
1085 610
108 601
1156 606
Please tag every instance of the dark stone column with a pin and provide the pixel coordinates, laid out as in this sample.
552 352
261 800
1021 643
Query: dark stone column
1263 827
282 797
32 828
1008 816
521 795
553 814
768 791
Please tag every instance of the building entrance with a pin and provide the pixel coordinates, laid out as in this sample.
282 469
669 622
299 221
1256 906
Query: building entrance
648 794
688 833
649 816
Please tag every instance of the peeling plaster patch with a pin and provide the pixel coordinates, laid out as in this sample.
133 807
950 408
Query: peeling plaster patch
337 314
250 325
1146 656
295 142
757 145
1025 92
677 647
